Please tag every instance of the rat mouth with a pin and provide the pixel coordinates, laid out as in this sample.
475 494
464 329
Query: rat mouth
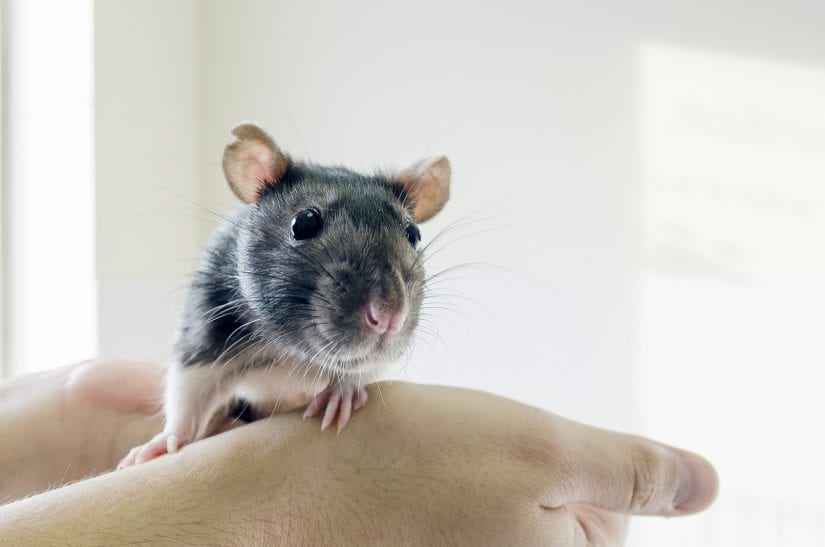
361 358
351 366
349 361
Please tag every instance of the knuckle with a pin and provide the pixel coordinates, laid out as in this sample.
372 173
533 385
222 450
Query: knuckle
654 478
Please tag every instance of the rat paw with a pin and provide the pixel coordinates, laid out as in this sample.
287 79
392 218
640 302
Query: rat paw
338 401
160 444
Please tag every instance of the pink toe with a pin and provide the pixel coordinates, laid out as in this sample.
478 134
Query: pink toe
332 409
129 459
173 444
317 404
346 410
343 418
361 398
150 452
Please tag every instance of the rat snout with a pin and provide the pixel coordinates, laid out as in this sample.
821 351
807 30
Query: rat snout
382 318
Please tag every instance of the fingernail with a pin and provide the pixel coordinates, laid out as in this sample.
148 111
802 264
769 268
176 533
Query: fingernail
699 483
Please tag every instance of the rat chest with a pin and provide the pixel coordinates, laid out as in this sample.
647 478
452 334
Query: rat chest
272 390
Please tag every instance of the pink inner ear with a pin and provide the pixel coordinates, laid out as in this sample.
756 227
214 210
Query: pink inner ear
260 166
250 165
427 182
252 162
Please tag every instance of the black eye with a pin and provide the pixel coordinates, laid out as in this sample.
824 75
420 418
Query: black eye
413 235
306 224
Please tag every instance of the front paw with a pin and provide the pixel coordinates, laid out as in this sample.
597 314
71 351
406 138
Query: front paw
160 444
337 401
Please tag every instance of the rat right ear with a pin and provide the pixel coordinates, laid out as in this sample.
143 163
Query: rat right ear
252 162
425 186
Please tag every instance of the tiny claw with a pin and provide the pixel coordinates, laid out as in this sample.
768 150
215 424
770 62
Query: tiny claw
337 403
160 444
129 459
332 409
360 399
346 410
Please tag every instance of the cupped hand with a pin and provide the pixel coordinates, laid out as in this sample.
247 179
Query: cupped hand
74 422
419 464
432 465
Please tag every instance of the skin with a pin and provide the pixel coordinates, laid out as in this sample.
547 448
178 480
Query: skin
417 465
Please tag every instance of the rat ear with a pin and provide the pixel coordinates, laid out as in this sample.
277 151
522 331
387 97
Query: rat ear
252 162
426 186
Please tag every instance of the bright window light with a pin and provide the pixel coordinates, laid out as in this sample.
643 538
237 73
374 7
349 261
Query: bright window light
733 303
50 292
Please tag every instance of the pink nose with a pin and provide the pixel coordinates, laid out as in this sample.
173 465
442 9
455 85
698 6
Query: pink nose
382 319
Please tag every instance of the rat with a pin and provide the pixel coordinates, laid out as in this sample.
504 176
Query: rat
305 294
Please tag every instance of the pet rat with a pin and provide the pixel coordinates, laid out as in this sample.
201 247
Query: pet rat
304 295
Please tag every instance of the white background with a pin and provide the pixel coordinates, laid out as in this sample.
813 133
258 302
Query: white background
643 182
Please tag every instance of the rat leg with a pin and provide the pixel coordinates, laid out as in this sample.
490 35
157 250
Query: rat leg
339 400
193 396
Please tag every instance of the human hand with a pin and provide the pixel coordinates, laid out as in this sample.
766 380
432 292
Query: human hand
74 422
434 465
421 464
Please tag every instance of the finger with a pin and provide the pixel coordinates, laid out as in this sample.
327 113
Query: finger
630 474
123 386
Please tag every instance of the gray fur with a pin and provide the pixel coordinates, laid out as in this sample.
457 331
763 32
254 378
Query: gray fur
259 289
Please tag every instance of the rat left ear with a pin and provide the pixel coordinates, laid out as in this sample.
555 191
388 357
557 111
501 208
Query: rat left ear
252 162
426 186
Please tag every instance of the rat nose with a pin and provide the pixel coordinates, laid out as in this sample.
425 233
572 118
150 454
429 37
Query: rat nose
382 318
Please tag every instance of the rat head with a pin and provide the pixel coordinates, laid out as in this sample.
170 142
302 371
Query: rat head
329 259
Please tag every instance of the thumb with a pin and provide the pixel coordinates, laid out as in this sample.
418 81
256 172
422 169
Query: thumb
629 474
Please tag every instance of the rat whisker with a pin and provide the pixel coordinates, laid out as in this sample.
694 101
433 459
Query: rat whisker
446 128
429 280
283 301
224 218
294 126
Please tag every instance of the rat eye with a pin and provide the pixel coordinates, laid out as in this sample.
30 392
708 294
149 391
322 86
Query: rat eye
413 235
306 224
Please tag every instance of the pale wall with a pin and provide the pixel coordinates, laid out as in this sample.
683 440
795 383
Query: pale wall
148 144
544 109
540 102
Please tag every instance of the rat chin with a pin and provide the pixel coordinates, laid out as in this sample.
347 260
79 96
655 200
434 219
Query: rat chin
363 362
354 370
